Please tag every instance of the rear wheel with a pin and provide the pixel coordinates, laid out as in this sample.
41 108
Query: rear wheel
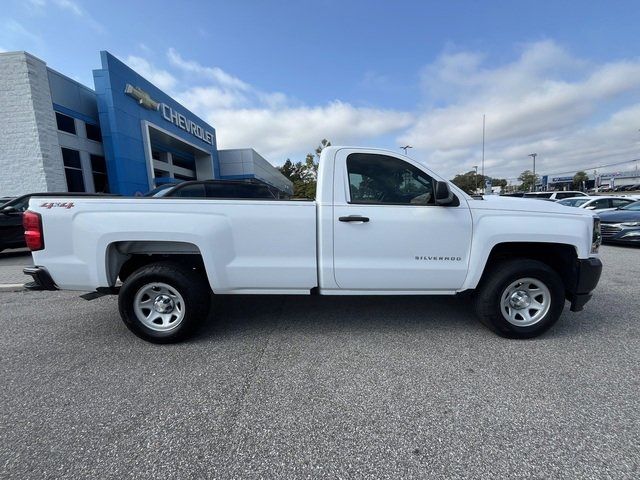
520 298
164 302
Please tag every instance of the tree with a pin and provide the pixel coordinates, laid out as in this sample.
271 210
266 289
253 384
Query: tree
469 181
499 182
528 180
579 178
304 176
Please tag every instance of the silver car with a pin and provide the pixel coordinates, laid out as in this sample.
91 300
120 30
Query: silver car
598 203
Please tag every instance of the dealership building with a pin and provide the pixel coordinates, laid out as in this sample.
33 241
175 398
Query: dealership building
126 136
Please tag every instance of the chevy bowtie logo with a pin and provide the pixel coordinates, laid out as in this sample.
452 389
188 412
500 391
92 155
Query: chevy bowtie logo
141 96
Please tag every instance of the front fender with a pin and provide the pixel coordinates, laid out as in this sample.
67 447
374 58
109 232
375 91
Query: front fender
492 228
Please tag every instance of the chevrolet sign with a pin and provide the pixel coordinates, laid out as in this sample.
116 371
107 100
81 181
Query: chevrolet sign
179 120
169 114
141 96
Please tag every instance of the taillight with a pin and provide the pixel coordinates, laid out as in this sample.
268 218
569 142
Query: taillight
32 223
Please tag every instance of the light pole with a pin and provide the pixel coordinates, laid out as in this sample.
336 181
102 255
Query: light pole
476 179
534 155
405 148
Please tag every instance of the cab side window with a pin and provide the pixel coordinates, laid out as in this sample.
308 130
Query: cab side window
601 203
384 180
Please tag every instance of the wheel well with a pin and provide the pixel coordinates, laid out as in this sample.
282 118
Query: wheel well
559 256
124 258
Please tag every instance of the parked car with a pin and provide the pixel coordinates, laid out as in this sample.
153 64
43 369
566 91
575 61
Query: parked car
559 195
382 224
217 189
11 230
622 225
598 204
223 189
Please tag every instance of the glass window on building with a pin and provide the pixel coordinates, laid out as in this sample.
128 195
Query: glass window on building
183 161
73 170
161 173
66 123
99 173
183 177
93 132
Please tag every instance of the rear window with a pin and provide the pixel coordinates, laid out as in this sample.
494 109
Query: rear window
538 195
568 194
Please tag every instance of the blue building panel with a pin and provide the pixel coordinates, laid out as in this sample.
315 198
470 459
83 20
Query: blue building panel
124 118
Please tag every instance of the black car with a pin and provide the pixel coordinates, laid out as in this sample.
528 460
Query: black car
11 231
249 189
621 225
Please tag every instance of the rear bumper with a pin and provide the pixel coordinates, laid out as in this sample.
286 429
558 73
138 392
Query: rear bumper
587 276
41 279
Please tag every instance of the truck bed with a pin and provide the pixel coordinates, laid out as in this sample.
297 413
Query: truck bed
249 246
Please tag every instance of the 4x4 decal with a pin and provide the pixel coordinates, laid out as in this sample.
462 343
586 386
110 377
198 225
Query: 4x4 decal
51 205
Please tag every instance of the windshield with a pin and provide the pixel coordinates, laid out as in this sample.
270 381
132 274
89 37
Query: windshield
635 206
573 202
160 191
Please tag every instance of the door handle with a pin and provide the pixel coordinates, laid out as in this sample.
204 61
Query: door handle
354 218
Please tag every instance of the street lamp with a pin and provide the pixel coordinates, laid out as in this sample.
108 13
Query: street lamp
405 148
476 179
534 155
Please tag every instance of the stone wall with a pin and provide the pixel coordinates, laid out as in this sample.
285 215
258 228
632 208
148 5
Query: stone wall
30 156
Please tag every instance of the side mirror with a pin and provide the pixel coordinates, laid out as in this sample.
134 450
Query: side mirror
444 195
9 210
591 207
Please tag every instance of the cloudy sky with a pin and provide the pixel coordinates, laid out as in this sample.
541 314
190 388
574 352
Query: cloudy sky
558 78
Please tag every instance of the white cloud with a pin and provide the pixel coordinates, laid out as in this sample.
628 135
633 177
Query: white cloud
70 6
161 78
281 132
215 74
546 101
573 113
272 122
18 37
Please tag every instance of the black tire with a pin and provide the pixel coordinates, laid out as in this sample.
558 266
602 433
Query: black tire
495 283
191 285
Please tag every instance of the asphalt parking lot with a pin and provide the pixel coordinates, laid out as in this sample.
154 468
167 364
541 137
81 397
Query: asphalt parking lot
322 387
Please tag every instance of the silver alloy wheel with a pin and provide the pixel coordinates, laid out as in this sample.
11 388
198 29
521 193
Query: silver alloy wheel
525 302
159 306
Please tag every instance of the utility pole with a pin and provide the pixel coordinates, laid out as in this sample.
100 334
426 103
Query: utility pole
476 178
534 155
405 148
483 125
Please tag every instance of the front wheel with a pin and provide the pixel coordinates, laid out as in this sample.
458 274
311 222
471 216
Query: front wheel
164 302
520 298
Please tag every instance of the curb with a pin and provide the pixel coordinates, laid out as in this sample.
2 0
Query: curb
11 287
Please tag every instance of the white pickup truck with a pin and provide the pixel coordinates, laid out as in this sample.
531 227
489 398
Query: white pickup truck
382 224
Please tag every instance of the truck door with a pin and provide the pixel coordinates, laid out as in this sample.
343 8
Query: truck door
388 232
